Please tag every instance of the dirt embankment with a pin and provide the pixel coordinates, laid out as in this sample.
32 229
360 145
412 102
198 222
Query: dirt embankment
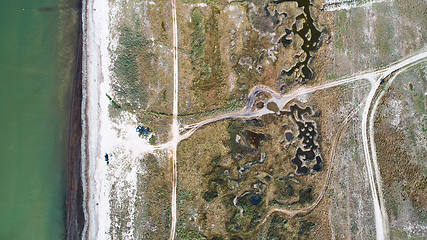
75 216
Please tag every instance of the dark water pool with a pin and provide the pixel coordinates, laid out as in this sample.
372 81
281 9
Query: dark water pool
254 138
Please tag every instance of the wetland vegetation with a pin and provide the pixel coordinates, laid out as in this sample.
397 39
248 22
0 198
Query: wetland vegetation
232 172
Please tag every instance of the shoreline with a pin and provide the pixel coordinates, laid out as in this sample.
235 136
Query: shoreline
96 125
74 200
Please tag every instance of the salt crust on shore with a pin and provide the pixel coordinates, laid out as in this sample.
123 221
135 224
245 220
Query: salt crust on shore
101 134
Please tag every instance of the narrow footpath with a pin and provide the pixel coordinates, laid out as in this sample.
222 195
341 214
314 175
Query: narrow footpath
175 125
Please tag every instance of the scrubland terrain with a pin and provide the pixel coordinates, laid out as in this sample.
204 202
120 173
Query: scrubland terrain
256 177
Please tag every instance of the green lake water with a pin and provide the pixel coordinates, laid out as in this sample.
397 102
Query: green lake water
37 53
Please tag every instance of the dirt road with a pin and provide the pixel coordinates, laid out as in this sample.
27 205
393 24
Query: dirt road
381 219
175 126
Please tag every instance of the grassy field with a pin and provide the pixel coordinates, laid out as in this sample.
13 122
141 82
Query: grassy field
225 188
402 150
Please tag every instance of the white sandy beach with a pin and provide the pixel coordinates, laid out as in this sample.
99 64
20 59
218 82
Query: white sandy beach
95 117
100 134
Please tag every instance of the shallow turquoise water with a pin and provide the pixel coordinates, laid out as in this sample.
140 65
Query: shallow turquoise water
35 94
